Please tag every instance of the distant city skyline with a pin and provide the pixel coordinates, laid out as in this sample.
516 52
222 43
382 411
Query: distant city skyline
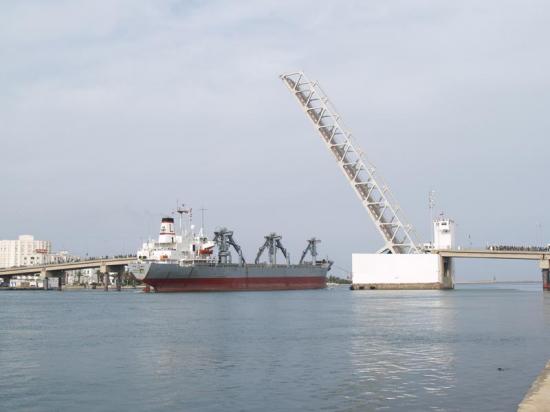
110 112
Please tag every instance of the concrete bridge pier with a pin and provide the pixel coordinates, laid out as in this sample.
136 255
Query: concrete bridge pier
119 281
107 270
446 272
104 270
60 280
119 272
545 267
45 275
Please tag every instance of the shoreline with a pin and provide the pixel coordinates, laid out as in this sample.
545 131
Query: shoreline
491 282
99 288
537 398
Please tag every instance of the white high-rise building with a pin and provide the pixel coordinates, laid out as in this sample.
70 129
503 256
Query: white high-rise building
24 251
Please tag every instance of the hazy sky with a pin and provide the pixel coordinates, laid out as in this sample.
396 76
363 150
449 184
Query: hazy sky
111 111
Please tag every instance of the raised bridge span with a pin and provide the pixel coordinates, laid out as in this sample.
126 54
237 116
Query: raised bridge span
105 266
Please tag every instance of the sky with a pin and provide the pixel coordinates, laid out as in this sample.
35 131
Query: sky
113 111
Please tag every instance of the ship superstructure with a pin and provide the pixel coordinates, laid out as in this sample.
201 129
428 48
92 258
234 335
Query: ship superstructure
187 246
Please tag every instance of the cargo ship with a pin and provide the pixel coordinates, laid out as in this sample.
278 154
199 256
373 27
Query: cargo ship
191 262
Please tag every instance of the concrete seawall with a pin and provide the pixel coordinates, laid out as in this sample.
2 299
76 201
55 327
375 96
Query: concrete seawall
399 286
538 397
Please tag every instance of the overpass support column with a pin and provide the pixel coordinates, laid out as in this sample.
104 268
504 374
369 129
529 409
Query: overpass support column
44 275
61 280
119 280
105 271
119 274
545 266
446 273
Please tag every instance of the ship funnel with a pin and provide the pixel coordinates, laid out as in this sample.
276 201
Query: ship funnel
167 232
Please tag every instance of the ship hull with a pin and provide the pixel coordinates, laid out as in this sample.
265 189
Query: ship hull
233 284
171 277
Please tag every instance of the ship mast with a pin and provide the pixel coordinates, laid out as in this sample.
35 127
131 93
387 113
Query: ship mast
373 193
180 210
202 209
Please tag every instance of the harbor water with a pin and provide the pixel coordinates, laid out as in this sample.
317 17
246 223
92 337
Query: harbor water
478 347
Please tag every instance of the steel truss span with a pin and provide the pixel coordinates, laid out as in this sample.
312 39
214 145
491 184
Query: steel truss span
373 193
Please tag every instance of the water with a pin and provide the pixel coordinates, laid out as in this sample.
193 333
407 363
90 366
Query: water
333 350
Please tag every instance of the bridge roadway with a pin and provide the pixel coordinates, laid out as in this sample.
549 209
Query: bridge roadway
105 266
108 265
493 254
543 258
55 267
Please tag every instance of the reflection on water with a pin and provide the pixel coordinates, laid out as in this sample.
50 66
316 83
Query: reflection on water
400 363
476 348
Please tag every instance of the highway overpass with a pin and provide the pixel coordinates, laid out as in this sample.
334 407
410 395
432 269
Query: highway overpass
105 266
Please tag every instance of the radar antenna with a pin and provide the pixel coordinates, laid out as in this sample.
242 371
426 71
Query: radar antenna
361 174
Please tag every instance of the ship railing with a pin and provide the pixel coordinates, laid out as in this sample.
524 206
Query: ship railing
292 265
166 261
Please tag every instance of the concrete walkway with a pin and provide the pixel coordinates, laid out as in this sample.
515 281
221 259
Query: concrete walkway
538 397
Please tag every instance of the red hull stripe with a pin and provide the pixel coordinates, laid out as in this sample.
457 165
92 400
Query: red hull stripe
227 284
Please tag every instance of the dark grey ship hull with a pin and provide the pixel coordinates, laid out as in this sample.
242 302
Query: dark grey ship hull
175 277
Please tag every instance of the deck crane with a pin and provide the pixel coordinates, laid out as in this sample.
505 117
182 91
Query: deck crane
312 249
272 243
374 195
224 239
